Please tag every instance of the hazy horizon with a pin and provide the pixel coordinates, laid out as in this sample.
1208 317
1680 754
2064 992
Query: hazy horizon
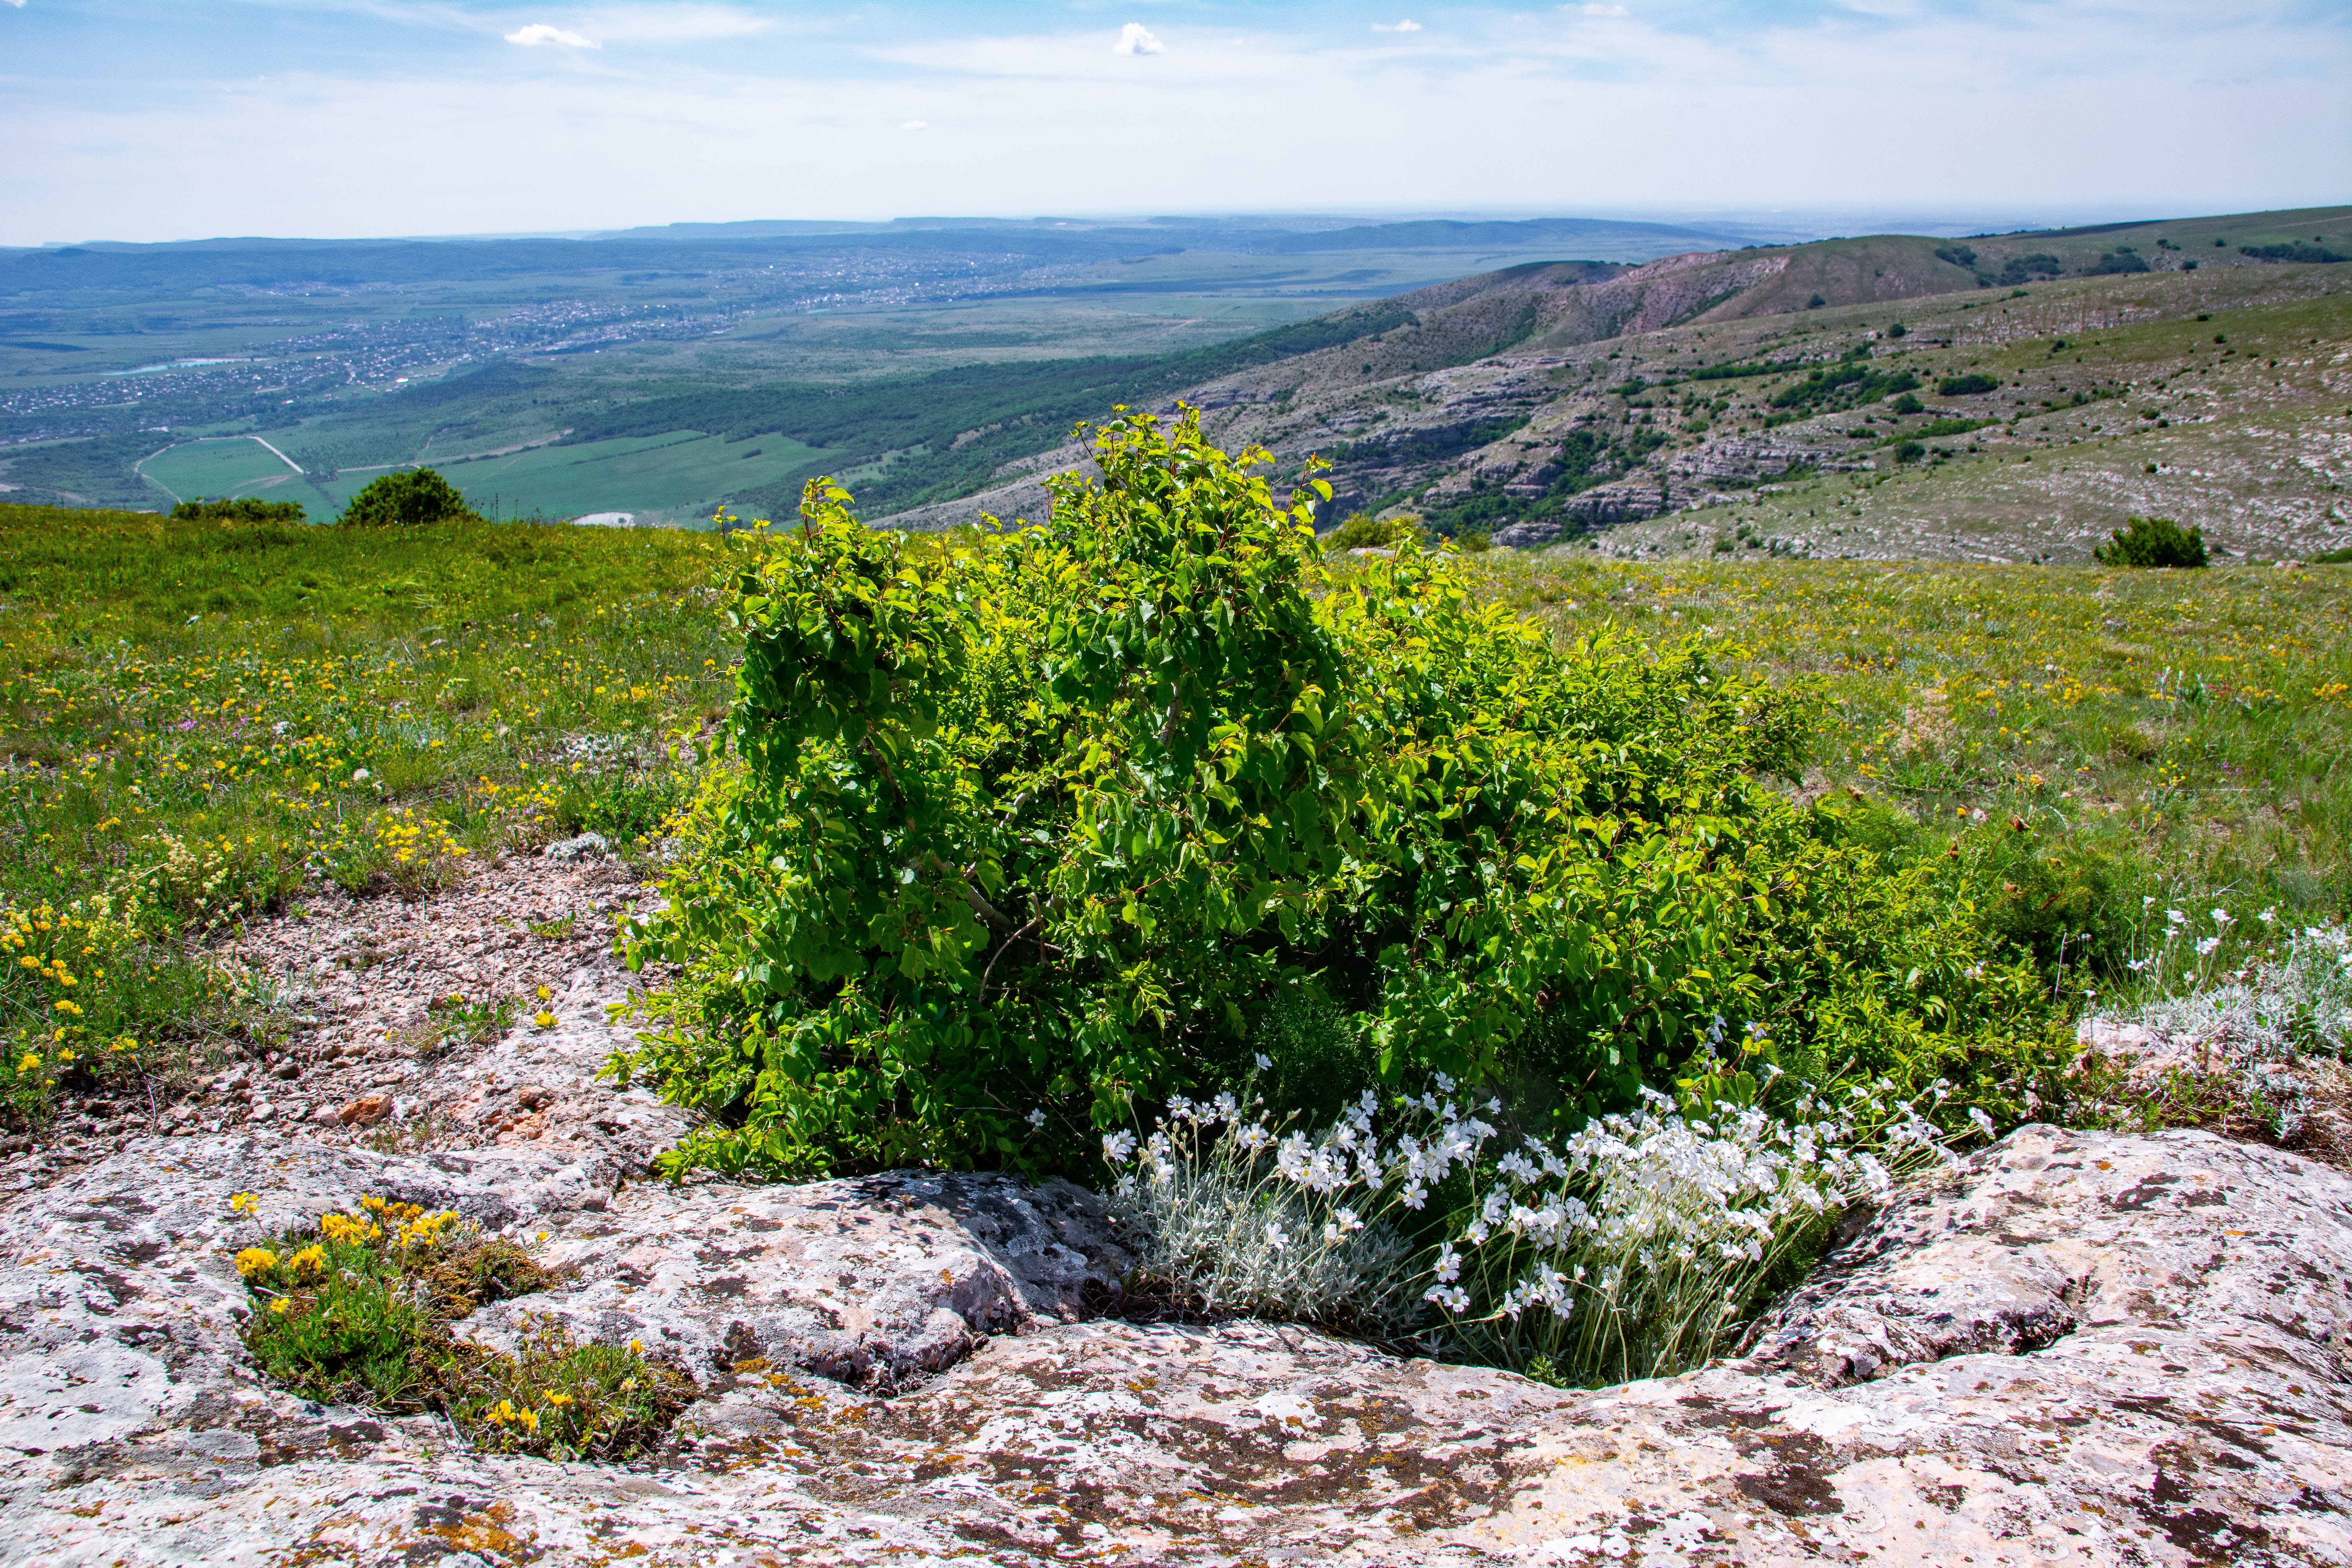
1817 223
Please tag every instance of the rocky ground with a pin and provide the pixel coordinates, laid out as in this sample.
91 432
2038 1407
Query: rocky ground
374 1055
2076 1348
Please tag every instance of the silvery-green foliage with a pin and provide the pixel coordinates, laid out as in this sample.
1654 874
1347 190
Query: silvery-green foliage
1220 1227
2244 1031
1636 1247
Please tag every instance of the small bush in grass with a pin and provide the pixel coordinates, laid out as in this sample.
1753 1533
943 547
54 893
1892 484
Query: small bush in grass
409 499
241 508
2153 541
1965 386
357 1310
1362 532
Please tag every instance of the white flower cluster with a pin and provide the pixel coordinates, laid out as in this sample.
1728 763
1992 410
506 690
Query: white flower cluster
1643 1238
2243 1033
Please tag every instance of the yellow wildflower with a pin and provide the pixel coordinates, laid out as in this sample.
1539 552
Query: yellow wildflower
543 1018
255 1261
243 1202
281 1305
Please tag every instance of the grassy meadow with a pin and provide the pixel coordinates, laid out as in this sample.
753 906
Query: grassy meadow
2109 736
202 720
198 721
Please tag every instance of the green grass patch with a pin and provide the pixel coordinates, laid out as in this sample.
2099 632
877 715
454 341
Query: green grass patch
358 1310
199 718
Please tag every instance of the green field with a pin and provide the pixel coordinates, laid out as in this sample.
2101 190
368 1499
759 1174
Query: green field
234 467
678 477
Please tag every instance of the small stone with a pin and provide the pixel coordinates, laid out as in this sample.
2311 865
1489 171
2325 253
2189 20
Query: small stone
573 848
366 1111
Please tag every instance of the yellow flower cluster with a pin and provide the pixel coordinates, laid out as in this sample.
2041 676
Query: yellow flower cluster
260 1266
415 1228
407 837
350 1230
505 1414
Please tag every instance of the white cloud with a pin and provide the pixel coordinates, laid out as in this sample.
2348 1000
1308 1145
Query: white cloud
687 24
1135 38
914 125
1598 10
541 33
636 134
1407 26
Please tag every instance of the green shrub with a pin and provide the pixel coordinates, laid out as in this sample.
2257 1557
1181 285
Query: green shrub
1844 385
1909 451
2297 250
2025 269
2153 541
1020 837
409 499
1362 532
241 508
1965 386
1906 404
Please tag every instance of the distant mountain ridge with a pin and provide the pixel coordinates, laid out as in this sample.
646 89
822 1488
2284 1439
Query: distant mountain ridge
1373 398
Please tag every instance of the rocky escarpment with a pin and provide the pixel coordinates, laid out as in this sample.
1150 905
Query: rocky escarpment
2076 1347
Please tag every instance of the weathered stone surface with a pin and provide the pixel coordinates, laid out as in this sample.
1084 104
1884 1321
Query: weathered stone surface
2078 1348
870 1282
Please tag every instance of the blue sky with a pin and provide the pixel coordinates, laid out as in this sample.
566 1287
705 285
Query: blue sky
140 119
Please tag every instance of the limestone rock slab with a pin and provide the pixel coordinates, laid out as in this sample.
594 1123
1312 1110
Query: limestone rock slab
2077 1348
872 1281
